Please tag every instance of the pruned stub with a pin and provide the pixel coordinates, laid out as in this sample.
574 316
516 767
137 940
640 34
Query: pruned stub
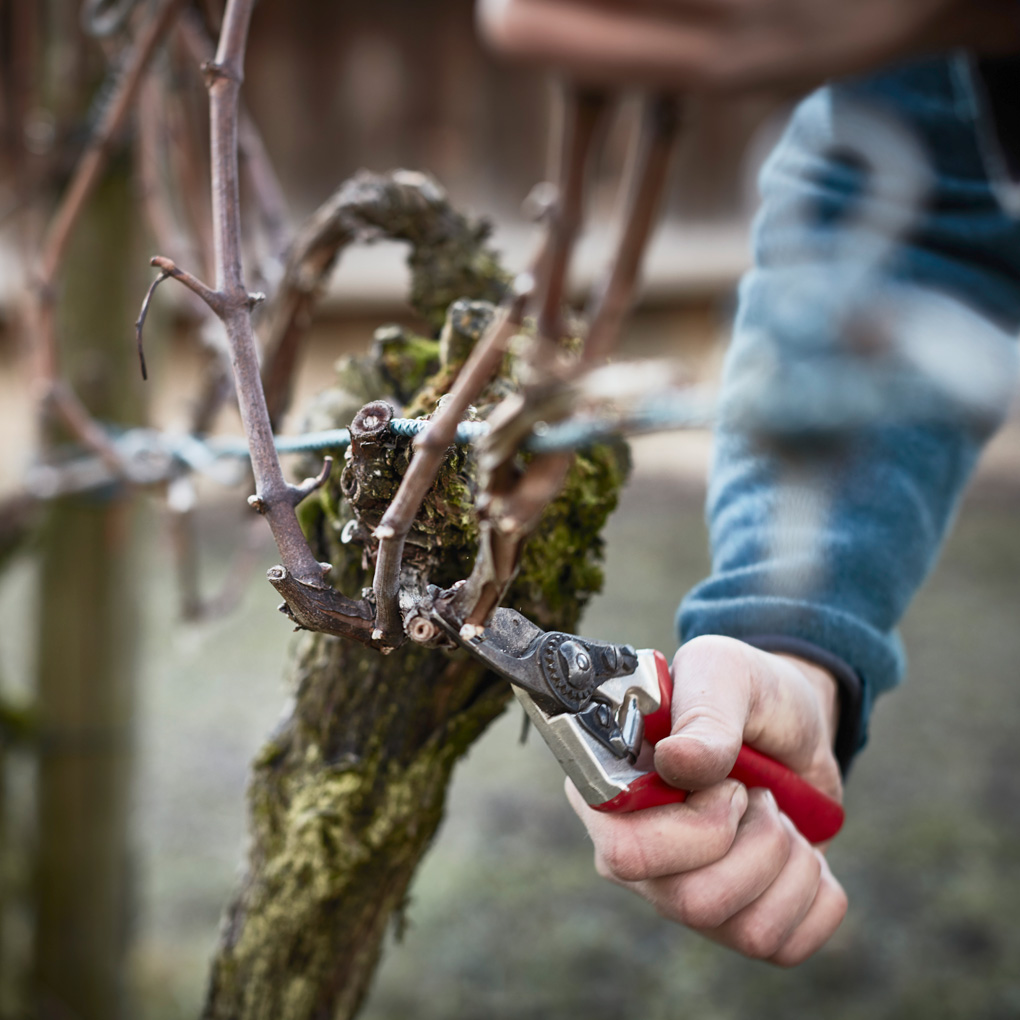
445 530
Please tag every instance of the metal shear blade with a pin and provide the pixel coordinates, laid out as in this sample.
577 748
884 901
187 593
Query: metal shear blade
586 698
600 772
562 672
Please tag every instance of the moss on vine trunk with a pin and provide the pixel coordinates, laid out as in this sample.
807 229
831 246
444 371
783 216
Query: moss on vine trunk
349 791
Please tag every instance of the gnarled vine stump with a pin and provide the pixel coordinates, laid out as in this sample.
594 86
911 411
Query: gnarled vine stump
348 792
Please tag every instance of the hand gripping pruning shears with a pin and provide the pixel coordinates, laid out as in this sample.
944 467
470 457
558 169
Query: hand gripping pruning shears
596 704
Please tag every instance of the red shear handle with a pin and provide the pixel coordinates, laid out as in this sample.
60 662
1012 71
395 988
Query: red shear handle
818 816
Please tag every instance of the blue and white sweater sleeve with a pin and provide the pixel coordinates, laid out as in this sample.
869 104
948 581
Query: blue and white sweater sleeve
822 556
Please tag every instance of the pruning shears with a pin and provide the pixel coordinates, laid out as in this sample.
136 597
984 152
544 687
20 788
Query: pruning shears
596 704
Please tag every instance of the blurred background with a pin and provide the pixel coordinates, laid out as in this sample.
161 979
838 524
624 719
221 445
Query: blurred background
141 767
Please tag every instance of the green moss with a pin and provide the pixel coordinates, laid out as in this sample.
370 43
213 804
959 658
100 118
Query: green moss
561 562
455 270
404 360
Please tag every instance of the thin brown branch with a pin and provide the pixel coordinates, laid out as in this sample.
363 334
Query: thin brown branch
58 395
660 124
265 185
304 489
140 321
213 298
94 159
60 400
512 501
446 251
216 386
300 578
584 112
584 115
431 445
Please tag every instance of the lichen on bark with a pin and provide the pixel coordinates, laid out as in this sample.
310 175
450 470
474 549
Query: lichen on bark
349 791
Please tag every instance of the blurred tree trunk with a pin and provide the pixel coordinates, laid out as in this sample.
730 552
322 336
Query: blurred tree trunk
348 793
86 650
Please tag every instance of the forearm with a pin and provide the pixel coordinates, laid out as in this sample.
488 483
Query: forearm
829 550
718 45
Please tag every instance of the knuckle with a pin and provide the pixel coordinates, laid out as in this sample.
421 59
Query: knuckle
623 858
804 857
810 864
841 903
787 959
776 843
760 938
792 955
715 827
772 834
708 649
700 905
602 868
702 749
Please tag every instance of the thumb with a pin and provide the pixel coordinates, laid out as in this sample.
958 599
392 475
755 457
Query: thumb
726 693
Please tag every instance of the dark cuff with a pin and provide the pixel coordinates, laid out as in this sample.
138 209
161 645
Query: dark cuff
848 729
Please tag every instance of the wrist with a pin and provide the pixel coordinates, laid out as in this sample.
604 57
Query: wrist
826 688
850 692
824 770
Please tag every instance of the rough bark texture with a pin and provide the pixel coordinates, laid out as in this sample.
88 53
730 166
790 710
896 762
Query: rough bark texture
349 791
449 257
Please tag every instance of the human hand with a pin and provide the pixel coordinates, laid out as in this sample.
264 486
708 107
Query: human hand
730 45
727 863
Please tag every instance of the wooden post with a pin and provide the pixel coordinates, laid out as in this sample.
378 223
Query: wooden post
86 650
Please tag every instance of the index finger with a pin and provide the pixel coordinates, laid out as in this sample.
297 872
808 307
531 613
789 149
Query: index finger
665 840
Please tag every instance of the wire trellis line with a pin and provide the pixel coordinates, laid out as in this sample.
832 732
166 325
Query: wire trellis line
658 415
149 456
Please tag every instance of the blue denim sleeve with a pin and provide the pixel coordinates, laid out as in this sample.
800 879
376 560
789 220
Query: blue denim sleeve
830 552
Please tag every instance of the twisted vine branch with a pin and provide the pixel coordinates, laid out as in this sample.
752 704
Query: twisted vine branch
312 602
57 394
512 499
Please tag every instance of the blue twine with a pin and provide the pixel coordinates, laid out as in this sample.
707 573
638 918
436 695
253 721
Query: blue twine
656 415
211 456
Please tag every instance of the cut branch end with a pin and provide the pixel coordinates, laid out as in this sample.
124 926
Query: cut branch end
211 297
